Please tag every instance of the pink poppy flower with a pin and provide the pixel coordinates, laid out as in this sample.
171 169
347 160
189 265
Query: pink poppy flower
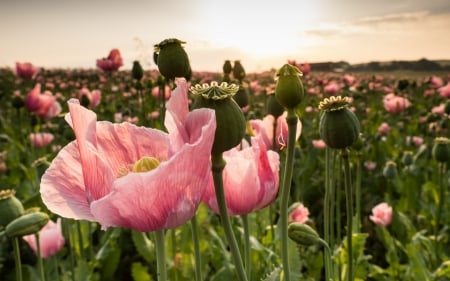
414 140
106 174
436 82
395 104
41 139
370 165
349 79
332 88
112 62
264 128
42 104
384 129
51 239
26 70
444 91
318 144
381 214
299 214
94 97
250 179
155 92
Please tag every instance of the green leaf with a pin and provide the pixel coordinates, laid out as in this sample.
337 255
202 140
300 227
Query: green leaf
140 272
144 246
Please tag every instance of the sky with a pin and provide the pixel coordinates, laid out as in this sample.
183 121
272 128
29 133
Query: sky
261 34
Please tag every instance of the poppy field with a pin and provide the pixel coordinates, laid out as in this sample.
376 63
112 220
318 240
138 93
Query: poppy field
175 174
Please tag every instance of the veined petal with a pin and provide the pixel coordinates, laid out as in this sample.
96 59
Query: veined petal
62 185
177 112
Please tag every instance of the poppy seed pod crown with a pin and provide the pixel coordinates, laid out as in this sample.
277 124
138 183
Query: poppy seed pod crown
339 127
230 121
441 149
172 59
289 88
10 207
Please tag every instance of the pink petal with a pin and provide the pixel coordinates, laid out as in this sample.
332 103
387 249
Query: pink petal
177 112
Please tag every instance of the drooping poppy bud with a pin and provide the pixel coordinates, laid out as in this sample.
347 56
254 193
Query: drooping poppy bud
390 170
339 127
26 224
238 71
10 207
289 88
304 235
241 97
227 68
230 120
441 149
273 107
172 59
137 72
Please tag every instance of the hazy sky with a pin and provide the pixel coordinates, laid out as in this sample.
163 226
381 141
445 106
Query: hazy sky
262 34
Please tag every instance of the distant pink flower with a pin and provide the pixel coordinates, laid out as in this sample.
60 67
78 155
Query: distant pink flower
96 177
440 109
319 144
299 214
265 128
305 68
51 239
112 62
250 179
42 104
332 88
94 97
26 70
155 92
384 129
370 165
445 91
436 82
395 104
349 79
414 140
381 214
41 139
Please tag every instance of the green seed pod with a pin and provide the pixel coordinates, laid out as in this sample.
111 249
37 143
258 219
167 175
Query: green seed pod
303 234
441 149
407 158
390 170
227 68
172 59
27 224
230 121
447 107
238 71
10 207
241 97
273 107
136 71
289 88
339 127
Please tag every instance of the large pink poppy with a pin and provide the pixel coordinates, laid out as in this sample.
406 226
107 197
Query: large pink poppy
91 177
250 179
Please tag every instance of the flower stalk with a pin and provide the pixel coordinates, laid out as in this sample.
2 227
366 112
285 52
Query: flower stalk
160 246
197 256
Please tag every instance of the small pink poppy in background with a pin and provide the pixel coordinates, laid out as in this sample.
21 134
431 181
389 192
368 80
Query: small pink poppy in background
349 79
319 144
440 109
51 239
299 214
250 179
370 165
41 139
384 129
122 175
42 104
305 68
445 91
332 88
26 70
155 92
395 104
112 62
436 82
381 214
94 97
265 127
414 140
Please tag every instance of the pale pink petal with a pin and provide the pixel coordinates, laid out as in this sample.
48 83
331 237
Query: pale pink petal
177 112
268 169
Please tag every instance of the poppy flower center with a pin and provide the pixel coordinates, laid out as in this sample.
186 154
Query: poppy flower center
145 164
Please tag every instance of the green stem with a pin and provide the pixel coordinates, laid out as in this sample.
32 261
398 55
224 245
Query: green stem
441 179
327 215
17 259
292 120
349 209
358 193
40 260
174 250
247 251
161 255
198 258
218 164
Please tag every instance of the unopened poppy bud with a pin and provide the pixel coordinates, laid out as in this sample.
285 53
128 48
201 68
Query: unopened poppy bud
441 149
136 71
145 164
230 121
10 207
447 107
172 59
227 68
339 127
390 170
17 102
289 88
303 234
241 97
238 71
27 224
273 107
407 158
84 101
